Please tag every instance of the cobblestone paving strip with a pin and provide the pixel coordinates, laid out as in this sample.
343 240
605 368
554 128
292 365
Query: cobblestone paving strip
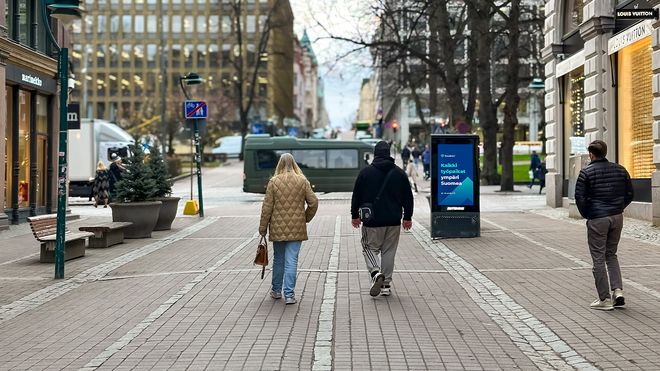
325 330
58 289
140 327
582 263
538 342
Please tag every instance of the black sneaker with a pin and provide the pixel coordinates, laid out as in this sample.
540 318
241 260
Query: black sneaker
376 283
619 301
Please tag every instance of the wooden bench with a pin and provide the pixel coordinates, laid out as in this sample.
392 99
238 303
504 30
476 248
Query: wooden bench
106 234
44 229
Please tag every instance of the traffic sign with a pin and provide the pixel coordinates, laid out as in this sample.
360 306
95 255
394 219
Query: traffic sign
195 109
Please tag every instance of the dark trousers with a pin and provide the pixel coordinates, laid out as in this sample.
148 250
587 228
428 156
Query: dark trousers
603 235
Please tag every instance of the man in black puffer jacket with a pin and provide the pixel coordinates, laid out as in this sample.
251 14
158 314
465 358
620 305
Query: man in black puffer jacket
380 236
602 192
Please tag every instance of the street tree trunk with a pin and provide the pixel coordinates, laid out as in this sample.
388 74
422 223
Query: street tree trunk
480 11
512 98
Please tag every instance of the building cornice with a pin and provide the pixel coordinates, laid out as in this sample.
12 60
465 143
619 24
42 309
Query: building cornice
596 26
20 55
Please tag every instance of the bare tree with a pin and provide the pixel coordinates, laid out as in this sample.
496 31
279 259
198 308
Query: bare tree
248 67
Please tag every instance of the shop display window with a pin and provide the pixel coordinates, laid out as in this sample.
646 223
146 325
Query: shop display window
23 149
635 116
574 142
8 148
42 150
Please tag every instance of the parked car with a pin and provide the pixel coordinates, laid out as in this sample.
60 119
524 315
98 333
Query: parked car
318 133
231 146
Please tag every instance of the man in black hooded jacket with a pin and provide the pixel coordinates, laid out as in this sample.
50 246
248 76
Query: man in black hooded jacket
380 236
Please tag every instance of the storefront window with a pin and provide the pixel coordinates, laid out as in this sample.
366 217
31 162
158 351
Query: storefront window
635 98
24 148
574 116
42 150
8 148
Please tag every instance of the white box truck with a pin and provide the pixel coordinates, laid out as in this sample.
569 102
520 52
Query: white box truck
95 141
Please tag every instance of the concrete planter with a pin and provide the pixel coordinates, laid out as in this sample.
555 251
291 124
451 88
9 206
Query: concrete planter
143 215
167 213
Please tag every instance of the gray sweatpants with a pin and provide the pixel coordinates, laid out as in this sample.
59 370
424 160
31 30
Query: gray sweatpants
379 249
603 235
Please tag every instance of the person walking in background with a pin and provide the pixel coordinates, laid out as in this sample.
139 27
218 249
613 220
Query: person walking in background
411 172
602 192
116 169
405 155
542 170
285 218
384 189
426 161
534 168
416 154
101 187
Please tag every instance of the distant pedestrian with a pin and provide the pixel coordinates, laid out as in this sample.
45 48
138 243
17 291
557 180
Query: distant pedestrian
411 172
405 155
285 218
426 160
542 171
380 196
116 170
416 154
534 164
602 192
101 187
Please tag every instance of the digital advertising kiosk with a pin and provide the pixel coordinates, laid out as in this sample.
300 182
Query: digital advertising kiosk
455 186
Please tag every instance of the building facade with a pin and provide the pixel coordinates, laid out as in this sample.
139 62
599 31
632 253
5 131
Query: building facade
131 54
602 82
29 107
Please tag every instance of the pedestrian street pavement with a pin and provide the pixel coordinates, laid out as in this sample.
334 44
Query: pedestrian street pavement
190 298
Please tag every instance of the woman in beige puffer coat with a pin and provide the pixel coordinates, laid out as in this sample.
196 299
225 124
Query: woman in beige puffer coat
284 216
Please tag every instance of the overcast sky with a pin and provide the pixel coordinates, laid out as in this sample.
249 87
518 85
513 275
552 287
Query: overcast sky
342 78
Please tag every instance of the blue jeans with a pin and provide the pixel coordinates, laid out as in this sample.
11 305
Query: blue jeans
285 266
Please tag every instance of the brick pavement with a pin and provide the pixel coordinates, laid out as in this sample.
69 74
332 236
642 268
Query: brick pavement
515 298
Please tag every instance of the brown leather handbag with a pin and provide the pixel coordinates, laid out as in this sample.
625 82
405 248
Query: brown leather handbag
262 255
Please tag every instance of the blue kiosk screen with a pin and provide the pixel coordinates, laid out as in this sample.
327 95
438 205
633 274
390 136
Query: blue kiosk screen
455 174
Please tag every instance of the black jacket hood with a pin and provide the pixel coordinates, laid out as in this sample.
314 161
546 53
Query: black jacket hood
383 163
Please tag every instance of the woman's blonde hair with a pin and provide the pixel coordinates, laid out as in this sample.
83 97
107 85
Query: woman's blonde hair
100 166
287 164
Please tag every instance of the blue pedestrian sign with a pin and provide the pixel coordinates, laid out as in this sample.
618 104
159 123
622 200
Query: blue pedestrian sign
195 109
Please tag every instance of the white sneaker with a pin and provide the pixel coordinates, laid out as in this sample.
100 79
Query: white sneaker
291 300
619 301
385 291
376 284
602 304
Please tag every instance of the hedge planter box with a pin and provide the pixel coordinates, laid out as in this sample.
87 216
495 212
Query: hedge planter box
167 213
143 215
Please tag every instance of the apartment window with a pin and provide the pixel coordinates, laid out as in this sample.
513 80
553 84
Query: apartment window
114 23
176 23
101 24
201 23
139 24
226 24
127 24
251 24
152 25
214 56
214 24
573 15
188 24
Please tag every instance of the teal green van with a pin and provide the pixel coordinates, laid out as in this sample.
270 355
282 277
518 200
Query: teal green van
330 165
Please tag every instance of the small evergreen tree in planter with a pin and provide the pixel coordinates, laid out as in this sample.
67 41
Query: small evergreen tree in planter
135 196
163 190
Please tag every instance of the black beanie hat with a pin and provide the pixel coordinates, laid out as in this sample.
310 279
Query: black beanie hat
382 149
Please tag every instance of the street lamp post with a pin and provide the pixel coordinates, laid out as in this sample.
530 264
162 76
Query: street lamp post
65 11
194 79
535 86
